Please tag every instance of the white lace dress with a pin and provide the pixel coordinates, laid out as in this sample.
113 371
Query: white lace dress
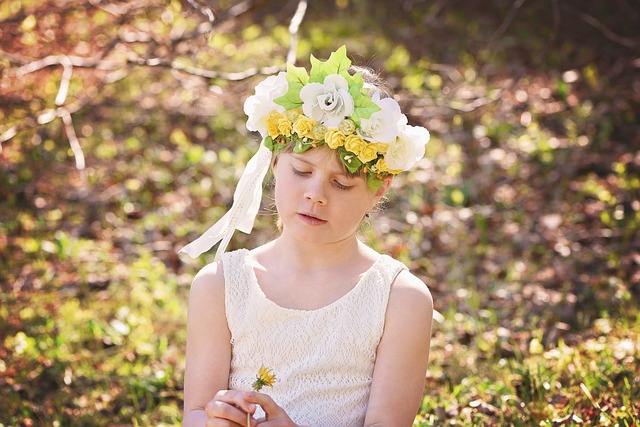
323 358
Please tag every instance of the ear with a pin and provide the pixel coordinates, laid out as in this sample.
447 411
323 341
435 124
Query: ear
382 190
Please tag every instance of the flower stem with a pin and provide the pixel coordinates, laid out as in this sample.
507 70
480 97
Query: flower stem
248 420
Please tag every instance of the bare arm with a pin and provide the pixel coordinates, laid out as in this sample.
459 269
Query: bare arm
403 353
208 344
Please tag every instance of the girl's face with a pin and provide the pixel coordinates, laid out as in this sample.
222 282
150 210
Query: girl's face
318 202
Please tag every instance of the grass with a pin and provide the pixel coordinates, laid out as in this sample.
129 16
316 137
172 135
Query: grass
523 217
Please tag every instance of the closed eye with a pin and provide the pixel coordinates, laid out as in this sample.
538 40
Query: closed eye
342 186
337 184
299 172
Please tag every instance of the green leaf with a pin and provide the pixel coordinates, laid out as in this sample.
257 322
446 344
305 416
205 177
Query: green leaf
297 77
364 107
350 160
338 63
268 142
373 182
317 73
301 145
356 82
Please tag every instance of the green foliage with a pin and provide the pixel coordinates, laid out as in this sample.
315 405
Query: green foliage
338 63
523 217
297 77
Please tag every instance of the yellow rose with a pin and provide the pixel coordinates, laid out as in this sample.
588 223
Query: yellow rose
303 126
368 153
380 147
334 138
273 124
354 143
347 126
381 166
285 127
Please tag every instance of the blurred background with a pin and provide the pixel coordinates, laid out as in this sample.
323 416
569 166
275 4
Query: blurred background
122 137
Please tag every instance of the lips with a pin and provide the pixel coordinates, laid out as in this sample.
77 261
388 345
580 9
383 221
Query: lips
311 219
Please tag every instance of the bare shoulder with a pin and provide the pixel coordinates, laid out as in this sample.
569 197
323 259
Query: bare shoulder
208 284
409 292
210 271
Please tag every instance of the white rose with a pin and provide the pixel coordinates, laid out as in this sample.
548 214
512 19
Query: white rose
408 147
258 107
328 102
381 126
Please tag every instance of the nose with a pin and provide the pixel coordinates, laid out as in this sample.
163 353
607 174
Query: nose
315 192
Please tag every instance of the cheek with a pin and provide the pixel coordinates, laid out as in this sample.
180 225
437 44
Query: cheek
356 207
282 191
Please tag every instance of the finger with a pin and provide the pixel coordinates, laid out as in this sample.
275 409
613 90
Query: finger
217 410
227 408
217 422
234 398
268 405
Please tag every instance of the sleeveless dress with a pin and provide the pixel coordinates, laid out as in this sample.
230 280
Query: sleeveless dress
323 359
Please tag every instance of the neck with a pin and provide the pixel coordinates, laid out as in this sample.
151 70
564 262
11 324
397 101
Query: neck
314 257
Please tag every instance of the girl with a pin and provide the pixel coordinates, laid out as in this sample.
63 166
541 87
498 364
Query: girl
345 329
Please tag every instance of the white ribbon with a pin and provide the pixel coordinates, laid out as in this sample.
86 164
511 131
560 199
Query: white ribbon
241 216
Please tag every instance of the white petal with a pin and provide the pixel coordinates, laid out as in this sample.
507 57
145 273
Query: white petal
309 95
347 100
337 81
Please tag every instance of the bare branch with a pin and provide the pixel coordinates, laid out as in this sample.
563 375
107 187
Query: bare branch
65 115
517 4
8 134
118 10
64 82
293 30
119 67
205 11
607 32
242 75
240 8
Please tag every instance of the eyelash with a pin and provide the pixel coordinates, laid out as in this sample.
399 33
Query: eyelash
336 183
298 172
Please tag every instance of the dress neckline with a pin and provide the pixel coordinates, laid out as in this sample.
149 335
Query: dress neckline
254 282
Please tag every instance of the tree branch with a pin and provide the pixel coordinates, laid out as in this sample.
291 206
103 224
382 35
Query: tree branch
517 4
65 115
298 16
607 32
119 67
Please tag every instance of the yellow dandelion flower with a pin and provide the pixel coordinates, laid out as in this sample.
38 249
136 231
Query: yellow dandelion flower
265 377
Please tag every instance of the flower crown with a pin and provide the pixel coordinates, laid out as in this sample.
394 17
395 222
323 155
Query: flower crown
329 106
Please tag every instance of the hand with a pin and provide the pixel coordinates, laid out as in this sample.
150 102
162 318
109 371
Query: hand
230 408
275 416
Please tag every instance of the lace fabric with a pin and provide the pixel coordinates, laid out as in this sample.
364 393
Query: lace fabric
323 358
